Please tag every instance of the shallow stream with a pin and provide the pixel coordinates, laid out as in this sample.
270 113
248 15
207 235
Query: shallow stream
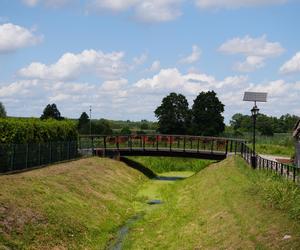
150 192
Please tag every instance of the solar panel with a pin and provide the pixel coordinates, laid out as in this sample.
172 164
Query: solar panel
255 96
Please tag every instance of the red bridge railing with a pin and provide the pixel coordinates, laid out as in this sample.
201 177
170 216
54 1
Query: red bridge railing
185 143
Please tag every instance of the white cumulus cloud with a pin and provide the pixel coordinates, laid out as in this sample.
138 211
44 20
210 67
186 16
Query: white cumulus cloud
158 10
231 4
48 3
193 57
143 10
122 99
256 51
250 64
292 65
14 37
155 66
70 66
113 5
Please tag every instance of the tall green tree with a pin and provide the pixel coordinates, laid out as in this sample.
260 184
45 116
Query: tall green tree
173 114
207 116
2 110
101 127
84 123
51 111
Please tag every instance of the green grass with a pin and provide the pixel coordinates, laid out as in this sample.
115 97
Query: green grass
278 144
76 205
82 204
273 149
167 164
225 206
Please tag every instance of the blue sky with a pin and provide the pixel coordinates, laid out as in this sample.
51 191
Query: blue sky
123 56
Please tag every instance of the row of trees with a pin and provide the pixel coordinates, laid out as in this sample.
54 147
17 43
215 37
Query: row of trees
175 117
204 118
266 125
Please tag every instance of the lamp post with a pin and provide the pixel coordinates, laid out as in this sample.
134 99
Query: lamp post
254 112
90 120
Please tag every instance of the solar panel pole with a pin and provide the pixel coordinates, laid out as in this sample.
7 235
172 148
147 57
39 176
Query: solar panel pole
254 97
254 112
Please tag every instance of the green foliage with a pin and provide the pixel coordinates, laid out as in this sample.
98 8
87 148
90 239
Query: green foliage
84 123
51 111
267 125
133 125
125 131
270 149
207 116
144 125
101 127
2 110
167 164
173 114
35 131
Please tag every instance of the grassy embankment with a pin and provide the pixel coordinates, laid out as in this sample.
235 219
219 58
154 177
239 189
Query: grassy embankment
225 206
76 205
81 205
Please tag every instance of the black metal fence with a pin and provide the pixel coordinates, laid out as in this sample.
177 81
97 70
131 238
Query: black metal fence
291 172
15 157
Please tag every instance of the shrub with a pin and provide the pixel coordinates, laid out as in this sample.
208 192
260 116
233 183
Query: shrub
21 131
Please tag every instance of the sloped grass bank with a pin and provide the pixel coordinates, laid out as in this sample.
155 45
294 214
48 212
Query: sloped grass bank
225 206
76 205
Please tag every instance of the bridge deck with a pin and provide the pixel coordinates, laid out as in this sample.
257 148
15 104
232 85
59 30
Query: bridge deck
203 154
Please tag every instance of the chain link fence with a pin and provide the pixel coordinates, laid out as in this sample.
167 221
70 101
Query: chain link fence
15 157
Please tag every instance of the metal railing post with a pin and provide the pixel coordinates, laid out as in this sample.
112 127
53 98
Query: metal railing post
12 158
226 150
104 142
235 147
26 163
50 151
39 154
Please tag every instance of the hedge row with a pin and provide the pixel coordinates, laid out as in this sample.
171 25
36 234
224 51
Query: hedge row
19 131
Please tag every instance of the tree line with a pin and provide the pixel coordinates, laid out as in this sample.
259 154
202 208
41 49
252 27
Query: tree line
266 125
175 117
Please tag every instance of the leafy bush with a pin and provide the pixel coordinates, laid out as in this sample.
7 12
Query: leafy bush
20 131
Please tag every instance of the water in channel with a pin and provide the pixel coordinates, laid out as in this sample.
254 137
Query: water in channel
152 191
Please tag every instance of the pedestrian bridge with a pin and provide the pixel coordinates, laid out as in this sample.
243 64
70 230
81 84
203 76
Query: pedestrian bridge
213 148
